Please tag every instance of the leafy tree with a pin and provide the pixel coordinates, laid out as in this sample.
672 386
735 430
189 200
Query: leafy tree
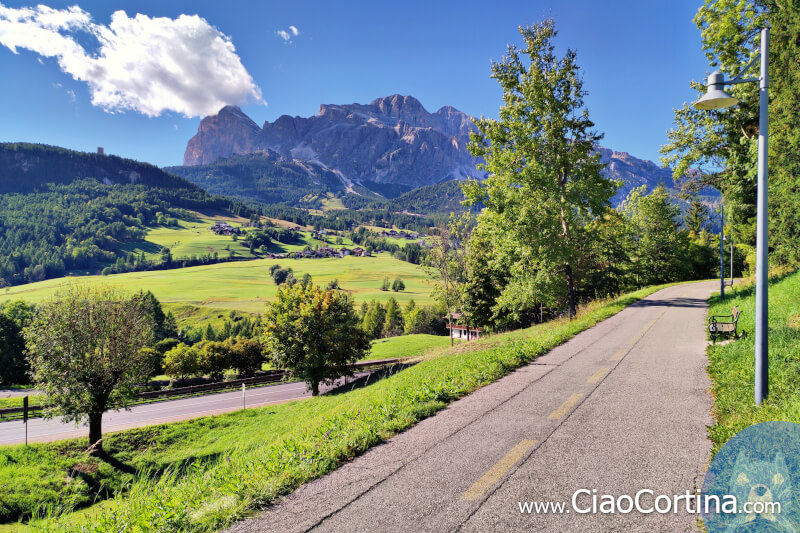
333 284
544 175
165 325
305 280
313 333
14 316
281 275
247 356
446 262
385 284
696 216
393 323
86 353
398 285
723 144
373 320
181 361
213 358
660 249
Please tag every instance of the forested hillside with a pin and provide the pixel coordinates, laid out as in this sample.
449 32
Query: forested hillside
62 210
263 177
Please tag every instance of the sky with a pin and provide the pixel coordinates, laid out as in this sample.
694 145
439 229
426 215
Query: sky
137 77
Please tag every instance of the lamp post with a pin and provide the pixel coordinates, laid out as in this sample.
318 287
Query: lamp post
722 250
717 98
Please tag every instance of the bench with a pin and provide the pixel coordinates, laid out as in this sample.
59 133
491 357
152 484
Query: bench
724 325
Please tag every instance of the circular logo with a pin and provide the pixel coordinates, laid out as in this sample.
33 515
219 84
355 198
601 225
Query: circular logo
753 483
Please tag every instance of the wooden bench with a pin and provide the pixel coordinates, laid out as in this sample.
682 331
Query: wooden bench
724 325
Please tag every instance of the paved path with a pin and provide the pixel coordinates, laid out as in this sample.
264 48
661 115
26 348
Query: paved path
622 407
40 430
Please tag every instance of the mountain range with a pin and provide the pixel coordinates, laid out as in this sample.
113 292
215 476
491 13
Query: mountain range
390 146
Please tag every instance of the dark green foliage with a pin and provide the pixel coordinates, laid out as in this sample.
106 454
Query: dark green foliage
246 356
26 168
398 285
14 316
263 177
54 220
444 197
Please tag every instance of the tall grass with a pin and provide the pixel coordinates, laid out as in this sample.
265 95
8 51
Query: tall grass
205 495
732 366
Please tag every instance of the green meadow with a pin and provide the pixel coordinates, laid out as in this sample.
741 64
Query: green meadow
406 346
731 365
246 286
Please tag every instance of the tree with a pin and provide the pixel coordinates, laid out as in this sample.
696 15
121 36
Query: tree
544 176
398 285
696 216
660 251
393 323
86 354
181 361
14 316
723 144
313 333
373 320
214 357
247 356
165 325
385 284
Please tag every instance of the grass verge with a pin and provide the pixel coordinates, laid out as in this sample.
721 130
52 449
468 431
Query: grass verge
203 474
731 366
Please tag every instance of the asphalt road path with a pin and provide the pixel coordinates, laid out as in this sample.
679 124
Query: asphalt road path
620 408
41 430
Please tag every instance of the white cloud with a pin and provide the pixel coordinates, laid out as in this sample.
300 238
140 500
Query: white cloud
283 35
294 30
148 65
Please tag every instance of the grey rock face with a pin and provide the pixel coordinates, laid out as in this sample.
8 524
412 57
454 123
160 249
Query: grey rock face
390 140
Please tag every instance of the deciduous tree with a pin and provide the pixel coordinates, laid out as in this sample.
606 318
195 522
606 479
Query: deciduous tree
313 333
544 175
86 353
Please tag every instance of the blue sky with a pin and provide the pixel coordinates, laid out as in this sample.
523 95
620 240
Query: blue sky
637 58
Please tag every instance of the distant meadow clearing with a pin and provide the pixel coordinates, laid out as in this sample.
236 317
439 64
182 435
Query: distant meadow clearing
246 285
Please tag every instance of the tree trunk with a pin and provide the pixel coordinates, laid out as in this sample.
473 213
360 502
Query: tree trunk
315 388
96 432
570 289
450 321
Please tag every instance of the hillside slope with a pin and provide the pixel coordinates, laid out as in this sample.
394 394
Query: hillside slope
63 211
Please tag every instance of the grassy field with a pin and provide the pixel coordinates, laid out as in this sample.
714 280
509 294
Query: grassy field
203 474
246 285
405 346
731 365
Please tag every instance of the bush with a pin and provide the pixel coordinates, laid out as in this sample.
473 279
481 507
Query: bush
398 285
247 356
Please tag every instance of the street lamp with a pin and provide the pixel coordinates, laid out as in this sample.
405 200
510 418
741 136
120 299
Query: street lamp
717 98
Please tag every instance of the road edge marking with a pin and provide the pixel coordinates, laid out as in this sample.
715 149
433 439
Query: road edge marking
494 474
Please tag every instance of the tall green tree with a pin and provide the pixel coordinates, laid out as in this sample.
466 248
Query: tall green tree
660 249
313 333
723 144
393 323
544 176
86 353
14 316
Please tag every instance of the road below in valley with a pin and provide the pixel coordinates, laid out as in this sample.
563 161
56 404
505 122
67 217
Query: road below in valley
41 430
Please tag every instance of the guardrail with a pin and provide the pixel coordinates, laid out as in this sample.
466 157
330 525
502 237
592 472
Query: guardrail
271 377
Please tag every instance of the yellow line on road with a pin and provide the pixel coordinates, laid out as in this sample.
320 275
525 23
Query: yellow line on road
565 407
496 472
597 376
617 356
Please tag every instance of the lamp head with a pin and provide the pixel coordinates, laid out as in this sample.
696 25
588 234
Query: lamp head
715 97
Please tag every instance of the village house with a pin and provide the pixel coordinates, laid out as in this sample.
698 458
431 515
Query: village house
462 332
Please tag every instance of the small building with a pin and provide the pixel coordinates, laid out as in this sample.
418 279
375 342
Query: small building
460 331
